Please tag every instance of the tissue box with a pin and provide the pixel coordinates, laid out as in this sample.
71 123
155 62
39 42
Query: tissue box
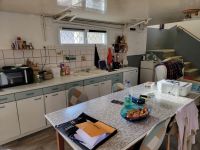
173 87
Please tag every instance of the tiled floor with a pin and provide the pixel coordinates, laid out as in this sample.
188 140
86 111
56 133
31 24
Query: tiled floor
46 140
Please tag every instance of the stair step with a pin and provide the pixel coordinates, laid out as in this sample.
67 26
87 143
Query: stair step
187 65
173 58
193 72
163 53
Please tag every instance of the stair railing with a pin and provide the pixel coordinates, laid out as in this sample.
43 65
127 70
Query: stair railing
188 32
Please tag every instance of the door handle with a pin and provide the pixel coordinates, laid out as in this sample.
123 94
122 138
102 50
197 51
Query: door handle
55 95
37 99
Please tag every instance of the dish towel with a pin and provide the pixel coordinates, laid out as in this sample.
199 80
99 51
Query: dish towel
96 57
187 121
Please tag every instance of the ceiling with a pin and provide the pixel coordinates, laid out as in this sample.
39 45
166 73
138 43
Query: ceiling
118 11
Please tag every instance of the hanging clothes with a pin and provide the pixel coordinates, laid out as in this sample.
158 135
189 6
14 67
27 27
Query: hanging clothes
174 69
96 57
109 57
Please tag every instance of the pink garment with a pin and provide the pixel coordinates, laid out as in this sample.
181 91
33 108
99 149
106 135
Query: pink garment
187 120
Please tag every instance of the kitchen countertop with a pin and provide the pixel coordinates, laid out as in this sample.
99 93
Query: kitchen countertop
62 80
162 106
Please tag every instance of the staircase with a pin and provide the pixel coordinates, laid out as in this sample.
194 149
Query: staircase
190 72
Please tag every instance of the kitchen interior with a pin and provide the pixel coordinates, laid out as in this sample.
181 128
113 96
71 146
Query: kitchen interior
99 74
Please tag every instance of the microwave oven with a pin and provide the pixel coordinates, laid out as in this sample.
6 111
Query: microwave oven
14 76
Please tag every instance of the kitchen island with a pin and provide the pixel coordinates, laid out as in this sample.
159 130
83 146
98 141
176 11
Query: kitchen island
163 106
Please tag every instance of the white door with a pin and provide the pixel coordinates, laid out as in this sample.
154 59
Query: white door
55 101
105 87
77 87
9 125
92 90
131 76
31 114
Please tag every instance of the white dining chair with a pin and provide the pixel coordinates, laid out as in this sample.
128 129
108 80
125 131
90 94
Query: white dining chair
76 96
155 137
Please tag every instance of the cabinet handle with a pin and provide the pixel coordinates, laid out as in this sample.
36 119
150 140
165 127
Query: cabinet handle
55 95
4 99
28 94
37 99
1 107
54 89
102 83
96 85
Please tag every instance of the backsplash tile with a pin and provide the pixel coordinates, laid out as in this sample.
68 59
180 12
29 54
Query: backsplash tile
54 56
8 54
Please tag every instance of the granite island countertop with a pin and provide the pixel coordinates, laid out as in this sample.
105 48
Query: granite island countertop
61 80
162 106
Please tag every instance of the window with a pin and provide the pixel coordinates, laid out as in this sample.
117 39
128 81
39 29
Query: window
96 37
72 36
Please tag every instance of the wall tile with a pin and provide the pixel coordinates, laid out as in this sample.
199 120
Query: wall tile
60 60
52 53
36 53
53 60
8 54
45 60
78 64
9 62
28 53
1 54
18 54
19 61
37 60
43 53
2 63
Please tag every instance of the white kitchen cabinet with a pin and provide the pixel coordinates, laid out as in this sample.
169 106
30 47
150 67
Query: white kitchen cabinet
92 90
131 76
9 124
55 101
31 114
105 88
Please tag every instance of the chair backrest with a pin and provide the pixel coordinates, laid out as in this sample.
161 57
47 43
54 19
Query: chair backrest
117 87
76 96
155 137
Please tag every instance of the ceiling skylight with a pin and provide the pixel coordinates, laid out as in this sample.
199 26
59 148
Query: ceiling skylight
68 2
98 5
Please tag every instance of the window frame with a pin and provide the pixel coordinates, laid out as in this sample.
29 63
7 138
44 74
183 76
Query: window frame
85 30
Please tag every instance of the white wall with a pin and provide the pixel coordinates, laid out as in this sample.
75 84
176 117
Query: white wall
136 41
29 27
191 25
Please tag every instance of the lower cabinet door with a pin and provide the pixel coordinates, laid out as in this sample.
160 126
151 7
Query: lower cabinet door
105 87
92 91
9 124
55 101
31 114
